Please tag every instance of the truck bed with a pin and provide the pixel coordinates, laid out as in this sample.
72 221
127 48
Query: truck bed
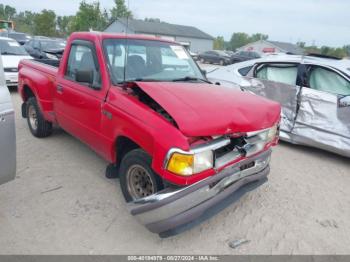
46 66
50 62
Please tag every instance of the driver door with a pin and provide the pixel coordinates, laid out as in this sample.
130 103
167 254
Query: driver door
278 82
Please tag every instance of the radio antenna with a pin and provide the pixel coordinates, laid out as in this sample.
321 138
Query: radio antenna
126 41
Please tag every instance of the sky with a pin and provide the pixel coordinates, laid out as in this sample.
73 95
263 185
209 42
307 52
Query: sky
322 22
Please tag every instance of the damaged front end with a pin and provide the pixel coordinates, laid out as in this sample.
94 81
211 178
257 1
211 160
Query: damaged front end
236 161
172 208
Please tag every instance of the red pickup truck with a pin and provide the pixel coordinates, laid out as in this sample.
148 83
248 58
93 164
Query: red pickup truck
178 143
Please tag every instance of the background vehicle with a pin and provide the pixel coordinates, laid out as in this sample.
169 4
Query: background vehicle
194 55
45 48
142 112
21 38
314 93
214 57
244 56
7 133
12 52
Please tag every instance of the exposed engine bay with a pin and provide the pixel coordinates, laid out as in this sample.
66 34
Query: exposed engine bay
149 101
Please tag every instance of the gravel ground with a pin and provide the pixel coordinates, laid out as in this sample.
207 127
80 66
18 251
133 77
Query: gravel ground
61 203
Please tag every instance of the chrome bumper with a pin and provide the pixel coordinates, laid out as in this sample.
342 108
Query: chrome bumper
169 208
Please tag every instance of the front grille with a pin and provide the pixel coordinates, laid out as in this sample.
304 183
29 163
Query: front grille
11 69
244 146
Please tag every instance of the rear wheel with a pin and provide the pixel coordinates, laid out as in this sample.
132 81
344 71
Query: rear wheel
137 179
38 126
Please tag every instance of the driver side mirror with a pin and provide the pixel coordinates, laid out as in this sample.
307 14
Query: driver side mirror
86 77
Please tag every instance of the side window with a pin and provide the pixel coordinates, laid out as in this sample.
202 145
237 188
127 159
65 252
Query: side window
245 70
81 57
281 73
328 81
36 44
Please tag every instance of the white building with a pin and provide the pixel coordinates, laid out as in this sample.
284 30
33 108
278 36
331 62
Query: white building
191 37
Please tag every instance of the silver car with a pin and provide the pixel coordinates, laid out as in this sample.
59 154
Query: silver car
314 93
7 132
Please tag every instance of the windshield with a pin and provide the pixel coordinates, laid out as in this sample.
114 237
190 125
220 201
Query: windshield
147 60
18 37
11 48
52 44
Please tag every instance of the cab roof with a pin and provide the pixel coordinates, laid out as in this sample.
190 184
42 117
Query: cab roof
103 35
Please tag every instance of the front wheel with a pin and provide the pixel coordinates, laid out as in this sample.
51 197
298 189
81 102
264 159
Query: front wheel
222 62
38 126
137 179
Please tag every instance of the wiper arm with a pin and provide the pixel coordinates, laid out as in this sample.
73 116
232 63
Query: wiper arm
190 78
144 80
139 80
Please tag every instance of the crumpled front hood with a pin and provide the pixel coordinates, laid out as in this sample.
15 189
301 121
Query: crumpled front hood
206 110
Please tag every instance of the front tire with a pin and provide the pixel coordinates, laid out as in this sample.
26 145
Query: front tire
38 126
137 179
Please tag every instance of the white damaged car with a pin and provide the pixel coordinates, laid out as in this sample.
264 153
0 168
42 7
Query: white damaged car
12 52
7 133
314 93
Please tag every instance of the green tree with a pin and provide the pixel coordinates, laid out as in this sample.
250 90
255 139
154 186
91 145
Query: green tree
45 23
238 40
219 43
63 24
120 10
258 36
7 12
337 52
88 17
347 49
24 22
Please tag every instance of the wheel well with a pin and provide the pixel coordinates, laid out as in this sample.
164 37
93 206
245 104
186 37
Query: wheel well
123 146
27 92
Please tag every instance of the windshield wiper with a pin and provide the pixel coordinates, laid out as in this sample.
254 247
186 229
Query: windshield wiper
142 80
138 80
190 78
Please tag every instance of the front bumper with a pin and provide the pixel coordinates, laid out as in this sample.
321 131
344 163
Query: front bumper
170 209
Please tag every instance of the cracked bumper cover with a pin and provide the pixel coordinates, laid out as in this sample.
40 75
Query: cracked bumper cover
170 209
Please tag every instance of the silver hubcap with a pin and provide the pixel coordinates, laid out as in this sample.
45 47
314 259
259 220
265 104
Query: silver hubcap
33 119
139 182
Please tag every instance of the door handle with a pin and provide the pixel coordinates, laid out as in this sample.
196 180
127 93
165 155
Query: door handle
59 89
